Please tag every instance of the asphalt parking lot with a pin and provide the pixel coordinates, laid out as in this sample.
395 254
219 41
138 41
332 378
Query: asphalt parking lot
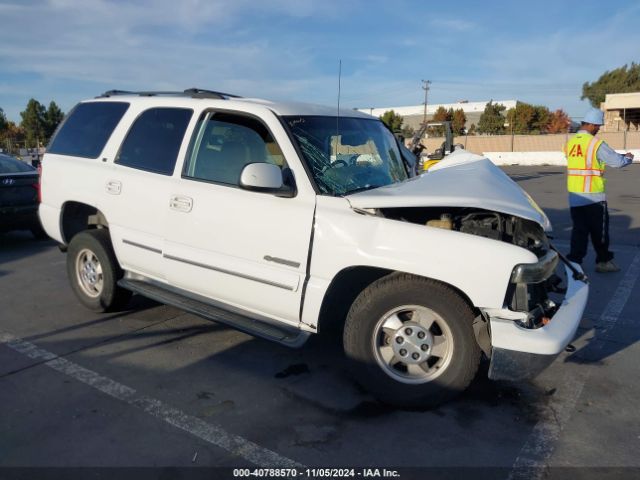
156 387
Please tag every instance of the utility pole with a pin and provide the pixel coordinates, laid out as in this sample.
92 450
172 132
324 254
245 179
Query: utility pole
425 87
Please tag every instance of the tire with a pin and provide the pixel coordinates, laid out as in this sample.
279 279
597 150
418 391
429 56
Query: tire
410 341
93 271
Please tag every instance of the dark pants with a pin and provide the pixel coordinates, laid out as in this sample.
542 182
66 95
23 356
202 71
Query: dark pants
590 220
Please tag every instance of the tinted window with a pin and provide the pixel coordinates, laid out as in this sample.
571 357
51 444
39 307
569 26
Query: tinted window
225 143
153 142
13 165
86 130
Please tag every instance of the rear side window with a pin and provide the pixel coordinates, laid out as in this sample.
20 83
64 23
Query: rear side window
154 140
86 130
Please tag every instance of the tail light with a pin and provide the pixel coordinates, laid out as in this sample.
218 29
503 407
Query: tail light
37 185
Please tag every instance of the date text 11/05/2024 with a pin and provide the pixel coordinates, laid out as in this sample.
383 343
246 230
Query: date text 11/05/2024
315 473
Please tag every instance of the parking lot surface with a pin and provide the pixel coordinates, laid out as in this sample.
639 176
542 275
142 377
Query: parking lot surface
156 387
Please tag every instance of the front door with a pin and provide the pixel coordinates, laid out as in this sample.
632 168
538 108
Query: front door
247 250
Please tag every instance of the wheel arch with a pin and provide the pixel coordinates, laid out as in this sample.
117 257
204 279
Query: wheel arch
351 281
77 217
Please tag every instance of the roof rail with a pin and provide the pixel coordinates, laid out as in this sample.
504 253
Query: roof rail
191 92
200 93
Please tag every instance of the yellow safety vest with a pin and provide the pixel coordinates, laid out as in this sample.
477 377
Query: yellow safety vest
585 173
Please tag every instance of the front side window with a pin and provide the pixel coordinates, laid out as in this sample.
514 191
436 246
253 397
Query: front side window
347 155
154 140
225 143
87 128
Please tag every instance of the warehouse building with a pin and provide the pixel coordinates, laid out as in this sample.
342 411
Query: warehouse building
414 115
621 112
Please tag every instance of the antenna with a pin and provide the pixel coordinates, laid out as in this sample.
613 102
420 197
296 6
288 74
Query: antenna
338 115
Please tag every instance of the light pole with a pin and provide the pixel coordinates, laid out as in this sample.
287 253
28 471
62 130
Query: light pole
425 87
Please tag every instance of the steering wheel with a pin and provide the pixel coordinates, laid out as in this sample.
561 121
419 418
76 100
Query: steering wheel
336 164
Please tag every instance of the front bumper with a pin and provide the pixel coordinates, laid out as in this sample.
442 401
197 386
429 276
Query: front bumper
520 353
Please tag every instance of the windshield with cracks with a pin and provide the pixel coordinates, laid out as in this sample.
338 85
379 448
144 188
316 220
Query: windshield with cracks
347 155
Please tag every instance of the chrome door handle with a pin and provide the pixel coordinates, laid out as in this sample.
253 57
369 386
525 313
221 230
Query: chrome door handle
114 187
181 203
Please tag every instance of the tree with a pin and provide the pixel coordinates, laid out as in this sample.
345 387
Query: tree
492 120
33 123
458 121
621 80
11 136
408 131
472 129
3 121
528 119
392 120
440 115
52 118
559 122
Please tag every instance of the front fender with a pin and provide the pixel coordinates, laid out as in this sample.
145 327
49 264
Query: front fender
477 266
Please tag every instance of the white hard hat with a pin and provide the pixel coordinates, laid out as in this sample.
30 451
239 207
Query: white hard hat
594 116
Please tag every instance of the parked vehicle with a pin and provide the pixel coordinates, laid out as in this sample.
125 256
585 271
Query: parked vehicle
281 219
19 197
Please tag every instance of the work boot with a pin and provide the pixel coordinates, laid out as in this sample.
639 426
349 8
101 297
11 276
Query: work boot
607 267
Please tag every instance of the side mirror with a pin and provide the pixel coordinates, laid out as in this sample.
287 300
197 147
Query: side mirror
264 177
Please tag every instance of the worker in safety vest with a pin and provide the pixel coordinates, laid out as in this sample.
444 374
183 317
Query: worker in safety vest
586 160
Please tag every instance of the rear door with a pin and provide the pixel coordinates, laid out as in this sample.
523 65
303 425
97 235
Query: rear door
138 185
242 248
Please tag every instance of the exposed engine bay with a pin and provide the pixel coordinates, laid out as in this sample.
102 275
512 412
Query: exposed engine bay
497 226
538 300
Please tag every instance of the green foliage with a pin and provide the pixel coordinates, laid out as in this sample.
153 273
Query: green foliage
408 131
33 123
528 119
472 129
3 121
621 80
39 123
392 120
492 120
52 118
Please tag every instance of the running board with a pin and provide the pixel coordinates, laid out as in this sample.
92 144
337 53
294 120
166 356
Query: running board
288 336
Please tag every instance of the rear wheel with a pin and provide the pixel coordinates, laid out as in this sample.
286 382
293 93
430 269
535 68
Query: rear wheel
410 341
93 271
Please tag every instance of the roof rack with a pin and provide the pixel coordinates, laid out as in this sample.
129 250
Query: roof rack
191 92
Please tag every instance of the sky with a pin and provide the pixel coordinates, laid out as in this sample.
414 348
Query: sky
537 52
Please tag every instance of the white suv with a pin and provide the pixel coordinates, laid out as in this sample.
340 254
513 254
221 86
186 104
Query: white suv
280 219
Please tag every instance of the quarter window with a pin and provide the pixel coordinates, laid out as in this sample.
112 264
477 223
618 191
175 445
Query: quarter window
86 130
154 140
225 143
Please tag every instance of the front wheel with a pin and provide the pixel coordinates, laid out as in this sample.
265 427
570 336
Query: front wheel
410 341
93 271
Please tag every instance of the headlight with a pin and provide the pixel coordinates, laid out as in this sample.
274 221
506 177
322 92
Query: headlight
535 272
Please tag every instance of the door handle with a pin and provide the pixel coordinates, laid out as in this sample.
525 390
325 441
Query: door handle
181 203
114 187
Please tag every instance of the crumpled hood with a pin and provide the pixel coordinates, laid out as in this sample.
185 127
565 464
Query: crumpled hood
462 179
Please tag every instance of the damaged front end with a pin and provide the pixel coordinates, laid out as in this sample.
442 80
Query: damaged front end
543 303
544 300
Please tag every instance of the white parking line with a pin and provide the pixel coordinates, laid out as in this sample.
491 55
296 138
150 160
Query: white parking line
540 445
210 433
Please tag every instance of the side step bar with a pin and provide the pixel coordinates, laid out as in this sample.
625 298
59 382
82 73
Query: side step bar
288 336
